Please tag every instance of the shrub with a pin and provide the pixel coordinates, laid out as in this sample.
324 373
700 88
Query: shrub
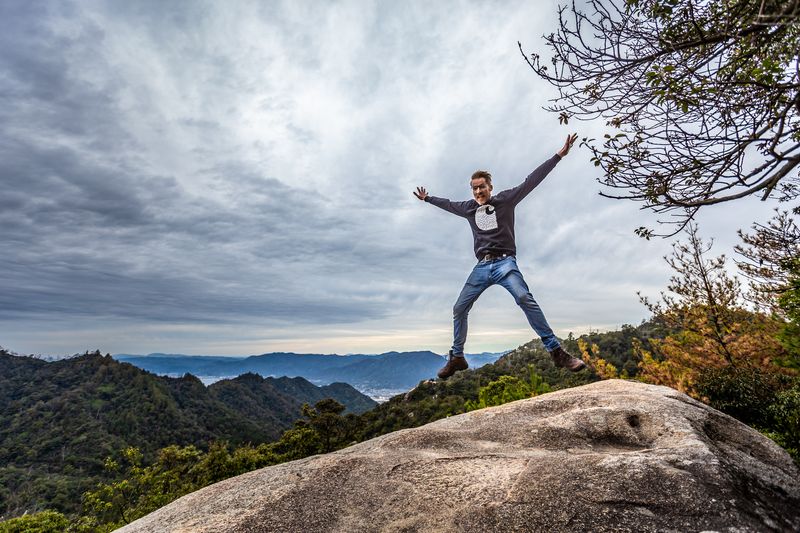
785 416
744 392
44 522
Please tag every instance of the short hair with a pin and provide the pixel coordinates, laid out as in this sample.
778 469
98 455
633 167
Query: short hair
478 174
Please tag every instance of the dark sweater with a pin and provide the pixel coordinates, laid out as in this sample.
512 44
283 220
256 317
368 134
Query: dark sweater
493 223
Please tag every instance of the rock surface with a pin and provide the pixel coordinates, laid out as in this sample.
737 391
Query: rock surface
610 456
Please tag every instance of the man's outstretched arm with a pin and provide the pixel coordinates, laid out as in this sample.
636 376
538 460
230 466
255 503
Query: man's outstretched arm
522 190
457 208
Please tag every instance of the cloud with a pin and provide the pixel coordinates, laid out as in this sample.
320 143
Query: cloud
195 176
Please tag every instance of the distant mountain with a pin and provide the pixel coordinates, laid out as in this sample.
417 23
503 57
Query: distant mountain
390 370
179 364
59 420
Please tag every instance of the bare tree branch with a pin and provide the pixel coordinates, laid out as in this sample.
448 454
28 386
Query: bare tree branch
702 97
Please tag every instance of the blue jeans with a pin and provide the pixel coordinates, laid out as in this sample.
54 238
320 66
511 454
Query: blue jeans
505 273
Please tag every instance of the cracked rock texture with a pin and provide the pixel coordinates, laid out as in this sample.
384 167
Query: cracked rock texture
610 456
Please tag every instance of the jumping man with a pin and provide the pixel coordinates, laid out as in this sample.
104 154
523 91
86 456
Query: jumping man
492 221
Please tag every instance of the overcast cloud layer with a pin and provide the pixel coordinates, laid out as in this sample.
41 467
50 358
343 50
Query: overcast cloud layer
236 178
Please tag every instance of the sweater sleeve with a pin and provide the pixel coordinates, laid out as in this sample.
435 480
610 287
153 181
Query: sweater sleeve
457 208
515 195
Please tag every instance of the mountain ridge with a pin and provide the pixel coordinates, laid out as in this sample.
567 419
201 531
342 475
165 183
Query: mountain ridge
389 370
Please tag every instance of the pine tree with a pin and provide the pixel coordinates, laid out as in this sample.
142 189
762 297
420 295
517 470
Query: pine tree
789 302
711 329
766 257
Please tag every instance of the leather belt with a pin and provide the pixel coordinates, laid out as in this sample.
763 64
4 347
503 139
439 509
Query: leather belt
493 257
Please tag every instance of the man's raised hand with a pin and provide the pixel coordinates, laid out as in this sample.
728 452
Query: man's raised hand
567 145
421 193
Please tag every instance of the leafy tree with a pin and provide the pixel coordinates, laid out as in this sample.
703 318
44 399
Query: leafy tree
326 419
297 443
766 259
703 97
537 383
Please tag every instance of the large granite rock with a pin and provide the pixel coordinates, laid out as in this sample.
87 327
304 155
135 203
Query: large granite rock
610 456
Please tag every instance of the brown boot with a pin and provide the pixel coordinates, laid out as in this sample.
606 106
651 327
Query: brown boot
563 359
454 364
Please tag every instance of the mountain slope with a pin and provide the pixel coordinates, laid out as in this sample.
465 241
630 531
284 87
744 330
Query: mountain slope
59 420
276 402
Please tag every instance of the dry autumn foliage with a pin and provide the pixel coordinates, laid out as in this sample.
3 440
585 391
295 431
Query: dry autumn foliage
711 327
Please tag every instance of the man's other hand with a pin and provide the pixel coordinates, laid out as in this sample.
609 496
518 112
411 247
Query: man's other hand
421 193
567 145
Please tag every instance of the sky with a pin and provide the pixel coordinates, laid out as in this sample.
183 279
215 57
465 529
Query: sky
235 178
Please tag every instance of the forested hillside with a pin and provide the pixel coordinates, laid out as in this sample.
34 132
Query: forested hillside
60 420
63 419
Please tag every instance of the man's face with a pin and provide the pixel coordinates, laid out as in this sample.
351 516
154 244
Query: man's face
481 190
